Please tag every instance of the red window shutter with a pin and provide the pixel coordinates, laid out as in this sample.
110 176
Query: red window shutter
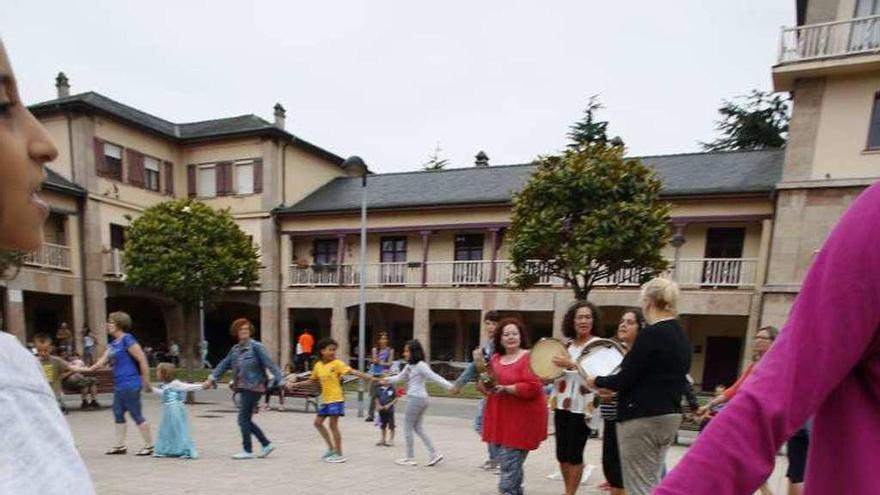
169 178
135 167
258 175
191 181
224 178
100 164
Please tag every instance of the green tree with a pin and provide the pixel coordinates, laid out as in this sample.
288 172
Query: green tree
589 129
585 216
753 122
189 252
434 161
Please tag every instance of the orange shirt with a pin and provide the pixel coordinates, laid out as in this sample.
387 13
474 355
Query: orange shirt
306 341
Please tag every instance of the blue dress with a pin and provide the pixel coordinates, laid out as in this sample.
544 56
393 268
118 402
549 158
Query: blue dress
174 439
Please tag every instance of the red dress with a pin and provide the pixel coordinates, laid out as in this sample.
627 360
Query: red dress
516 421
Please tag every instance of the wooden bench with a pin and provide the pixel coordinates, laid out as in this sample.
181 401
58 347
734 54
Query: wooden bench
310 392
105 382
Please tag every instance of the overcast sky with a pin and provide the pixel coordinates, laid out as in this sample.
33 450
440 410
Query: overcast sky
389 79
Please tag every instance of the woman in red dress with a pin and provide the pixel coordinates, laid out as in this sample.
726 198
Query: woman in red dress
516 410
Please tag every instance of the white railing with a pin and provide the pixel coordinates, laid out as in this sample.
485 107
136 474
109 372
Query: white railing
49 256
114 263
830 39
715 272
700 272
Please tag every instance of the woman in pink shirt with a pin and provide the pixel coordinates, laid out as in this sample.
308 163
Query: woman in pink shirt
826 362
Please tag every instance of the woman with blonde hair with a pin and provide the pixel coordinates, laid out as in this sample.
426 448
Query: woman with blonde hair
649 387
28 411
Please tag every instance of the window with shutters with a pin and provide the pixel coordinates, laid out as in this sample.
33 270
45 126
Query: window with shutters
55 229
874 129
207 181
244 177
151 173
113 161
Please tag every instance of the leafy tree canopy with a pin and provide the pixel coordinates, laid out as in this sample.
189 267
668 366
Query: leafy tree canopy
753 122
189 252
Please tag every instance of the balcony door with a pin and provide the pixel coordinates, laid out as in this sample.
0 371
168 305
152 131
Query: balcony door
392 257
325 255
468 269
865 33
724 249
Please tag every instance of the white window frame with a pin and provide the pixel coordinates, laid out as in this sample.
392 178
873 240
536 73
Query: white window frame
202 185
152 165
244 187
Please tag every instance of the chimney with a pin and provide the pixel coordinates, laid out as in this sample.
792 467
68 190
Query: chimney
482 159
62 85
280 116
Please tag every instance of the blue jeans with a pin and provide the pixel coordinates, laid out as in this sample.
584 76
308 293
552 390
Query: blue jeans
127 400
478 427
249 400
510 481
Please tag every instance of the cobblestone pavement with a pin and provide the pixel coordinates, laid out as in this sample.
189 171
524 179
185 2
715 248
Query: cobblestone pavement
295 467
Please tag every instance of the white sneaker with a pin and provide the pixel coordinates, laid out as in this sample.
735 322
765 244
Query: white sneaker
434 460
243 455
335 459
406 461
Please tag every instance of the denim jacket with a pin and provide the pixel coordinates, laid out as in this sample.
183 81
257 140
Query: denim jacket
248 367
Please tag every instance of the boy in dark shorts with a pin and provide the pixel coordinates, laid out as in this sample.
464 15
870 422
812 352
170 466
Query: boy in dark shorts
386 398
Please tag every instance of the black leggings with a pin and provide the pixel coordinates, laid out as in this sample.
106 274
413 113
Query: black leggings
571 436
611 456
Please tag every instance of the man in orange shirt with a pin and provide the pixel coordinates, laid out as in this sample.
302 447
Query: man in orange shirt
306 343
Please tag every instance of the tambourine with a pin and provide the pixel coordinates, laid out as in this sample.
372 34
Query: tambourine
601 357
541 358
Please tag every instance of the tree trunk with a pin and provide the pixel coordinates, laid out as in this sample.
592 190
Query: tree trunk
190 326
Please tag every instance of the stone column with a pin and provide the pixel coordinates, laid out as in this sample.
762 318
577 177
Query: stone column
339 326
422 323
561 302
426 239
677 242
286 329
15 321
493 270
763 254
340 259
751 329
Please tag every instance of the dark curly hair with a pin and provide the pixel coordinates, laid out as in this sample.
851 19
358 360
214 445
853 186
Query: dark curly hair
524 342
568 321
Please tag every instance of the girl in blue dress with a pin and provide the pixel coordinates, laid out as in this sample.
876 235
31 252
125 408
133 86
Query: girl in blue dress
174 438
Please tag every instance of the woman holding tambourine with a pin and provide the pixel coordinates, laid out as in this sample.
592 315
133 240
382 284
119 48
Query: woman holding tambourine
649 387
631 323
571 398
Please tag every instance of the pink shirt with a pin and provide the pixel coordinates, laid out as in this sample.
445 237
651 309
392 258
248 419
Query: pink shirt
826 362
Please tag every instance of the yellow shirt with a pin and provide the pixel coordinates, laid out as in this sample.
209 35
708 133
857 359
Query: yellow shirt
328 375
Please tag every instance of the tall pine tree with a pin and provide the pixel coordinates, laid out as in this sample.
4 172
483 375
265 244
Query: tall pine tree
754 122
589 129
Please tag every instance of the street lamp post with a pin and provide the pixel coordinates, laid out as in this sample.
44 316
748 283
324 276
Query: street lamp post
356 164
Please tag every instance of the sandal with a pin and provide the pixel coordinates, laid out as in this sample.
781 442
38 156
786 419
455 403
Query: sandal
116 451
145 451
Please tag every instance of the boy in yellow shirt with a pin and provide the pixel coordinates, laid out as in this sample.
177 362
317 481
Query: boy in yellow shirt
328 372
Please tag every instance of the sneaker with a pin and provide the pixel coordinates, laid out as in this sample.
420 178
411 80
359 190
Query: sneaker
84 405
243 455
267 449
369 419
604 487
435 460
327 454
94 404
486 466
335 459
406 462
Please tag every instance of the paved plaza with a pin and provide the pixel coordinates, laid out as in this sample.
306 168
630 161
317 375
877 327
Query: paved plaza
295 467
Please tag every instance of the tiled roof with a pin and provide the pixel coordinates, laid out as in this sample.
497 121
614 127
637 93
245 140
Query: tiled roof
56 182
192 131
691 174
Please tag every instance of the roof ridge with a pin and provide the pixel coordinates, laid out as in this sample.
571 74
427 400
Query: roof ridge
127 106
225 118
453 169
693 153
